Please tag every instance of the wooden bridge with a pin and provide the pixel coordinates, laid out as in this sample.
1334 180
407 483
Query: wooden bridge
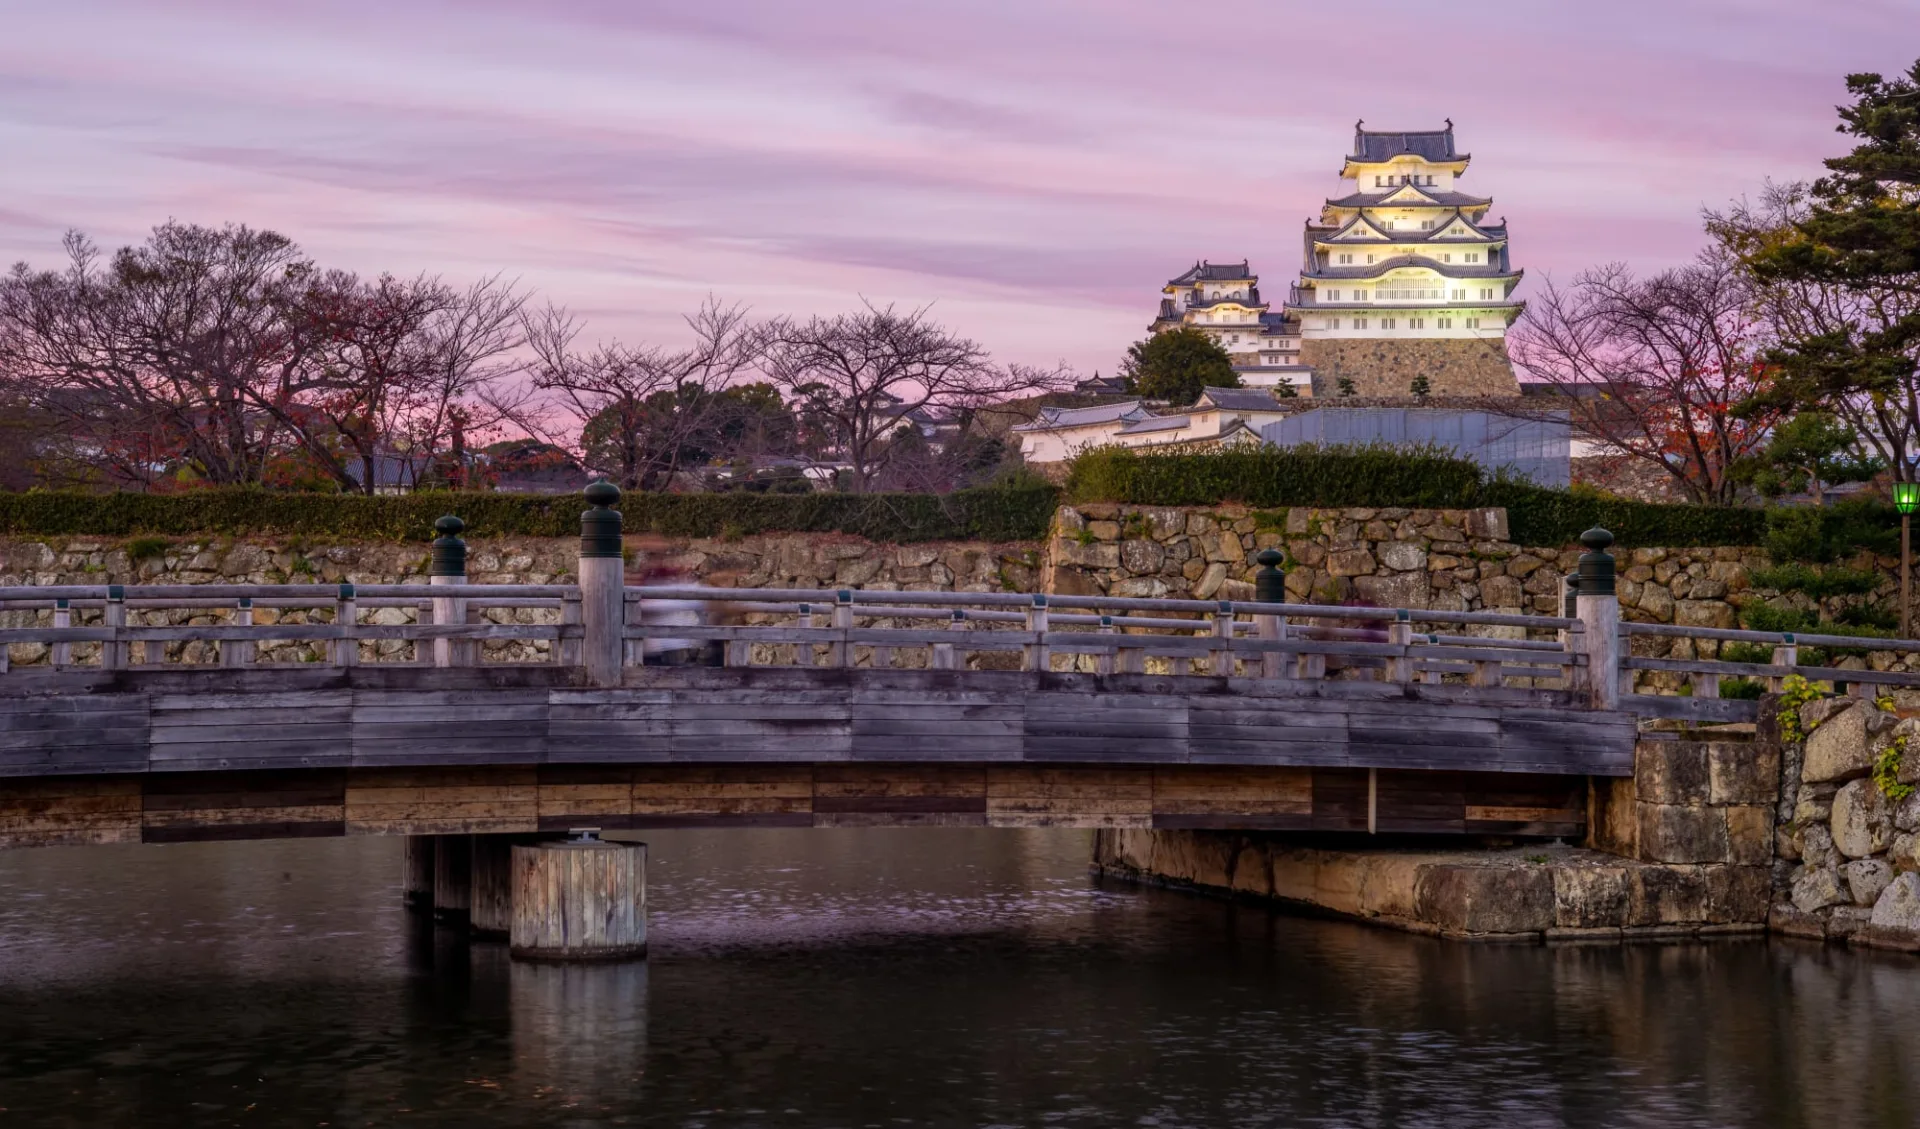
204 711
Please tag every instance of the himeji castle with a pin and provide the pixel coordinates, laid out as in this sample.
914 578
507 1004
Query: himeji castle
1404 277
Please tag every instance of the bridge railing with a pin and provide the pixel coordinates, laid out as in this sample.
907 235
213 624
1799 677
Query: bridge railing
1097 634
294 625
1714 686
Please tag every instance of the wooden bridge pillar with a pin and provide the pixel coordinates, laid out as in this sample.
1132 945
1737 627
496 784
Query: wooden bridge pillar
581 899
452 877
416 872
1599 612
603 599
449 567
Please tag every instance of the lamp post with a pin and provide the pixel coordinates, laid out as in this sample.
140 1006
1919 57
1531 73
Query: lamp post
1906 499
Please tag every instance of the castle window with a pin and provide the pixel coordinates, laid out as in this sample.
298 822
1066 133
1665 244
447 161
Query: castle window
1348 259
1473 256
1377 182
1333 295
1359 295
1429 178
1446 257
1460 295
1416 323
1369 258
1473 323
1486 294
1443 323
1359 323
1334 324
1386 323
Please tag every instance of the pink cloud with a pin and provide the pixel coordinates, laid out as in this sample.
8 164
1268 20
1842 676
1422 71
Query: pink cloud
1036 169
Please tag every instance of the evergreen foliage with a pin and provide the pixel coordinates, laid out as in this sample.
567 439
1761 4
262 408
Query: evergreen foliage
1177 365
1020 511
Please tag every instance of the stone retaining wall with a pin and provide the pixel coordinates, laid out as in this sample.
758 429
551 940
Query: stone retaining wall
1848 843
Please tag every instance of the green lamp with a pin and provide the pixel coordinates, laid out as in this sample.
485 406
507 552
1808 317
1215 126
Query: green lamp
1906 499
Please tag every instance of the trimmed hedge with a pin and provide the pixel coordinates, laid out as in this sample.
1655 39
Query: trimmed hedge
1018 513
1433 478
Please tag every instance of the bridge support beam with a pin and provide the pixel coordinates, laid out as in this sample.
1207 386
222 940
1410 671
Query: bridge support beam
490 912
416 872
452 877
579 900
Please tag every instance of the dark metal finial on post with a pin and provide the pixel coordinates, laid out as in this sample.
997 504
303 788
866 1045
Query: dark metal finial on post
1270 583
1596 564
600 527
449 552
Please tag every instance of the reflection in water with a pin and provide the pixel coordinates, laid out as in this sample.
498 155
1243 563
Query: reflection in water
829 978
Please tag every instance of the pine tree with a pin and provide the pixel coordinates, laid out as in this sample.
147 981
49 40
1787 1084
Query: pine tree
1346 387
1421 386
1285 392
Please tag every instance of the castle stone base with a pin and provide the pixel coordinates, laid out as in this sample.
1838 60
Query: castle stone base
1387 367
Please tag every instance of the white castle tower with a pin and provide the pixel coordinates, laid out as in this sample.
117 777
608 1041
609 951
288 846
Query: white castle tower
1405 277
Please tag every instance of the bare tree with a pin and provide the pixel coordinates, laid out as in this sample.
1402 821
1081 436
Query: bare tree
153 362
638 412
861 376
1655 368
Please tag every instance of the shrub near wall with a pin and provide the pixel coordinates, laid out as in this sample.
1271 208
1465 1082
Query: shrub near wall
1309 475
1020 513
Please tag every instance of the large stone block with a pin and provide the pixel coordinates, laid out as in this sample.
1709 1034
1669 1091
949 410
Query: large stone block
1142 557
1862 824
1866 878
1743 772
1750 832
1487 899
1403 556
1703 613
1682 833
1895 922
1816 888
1590 897
1398 590
1671 772
1350 562
1668 895
1839 749
1738 895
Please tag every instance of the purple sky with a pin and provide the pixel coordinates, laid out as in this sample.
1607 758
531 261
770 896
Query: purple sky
1036 169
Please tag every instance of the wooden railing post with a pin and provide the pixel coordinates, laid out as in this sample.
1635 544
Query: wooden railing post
803 652
62 617
449 567
1399 667
603 597
1599 613
1270 587
566 651
1103 664
1038 655
944 656
1223 630
1785 653
113 653
239 652
840 652
346 616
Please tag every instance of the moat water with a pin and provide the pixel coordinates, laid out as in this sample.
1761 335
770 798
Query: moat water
889 978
